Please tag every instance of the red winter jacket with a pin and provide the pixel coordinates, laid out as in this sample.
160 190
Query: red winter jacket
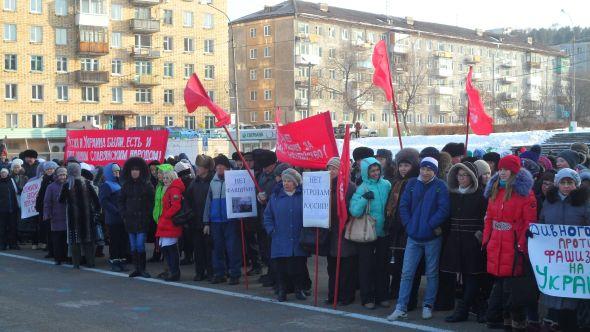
505 226
171 203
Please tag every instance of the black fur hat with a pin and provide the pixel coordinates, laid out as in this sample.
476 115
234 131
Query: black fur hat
454 149
362 152
135 163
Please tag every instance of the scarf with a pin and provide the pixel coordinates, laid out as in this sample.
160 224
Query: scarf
160 190
502 183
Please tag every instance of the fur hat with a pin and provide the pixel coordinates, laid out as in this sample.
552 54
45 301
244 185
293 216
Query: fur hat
334 162
531 166
291 175
362 152
408 155
264 158
222 160
430 163
565 173
444 164
205 162
482 167
280 168
30 154
492 156
455 149
135 163
430 152
582 149
572 158
87 174
384 153
511 163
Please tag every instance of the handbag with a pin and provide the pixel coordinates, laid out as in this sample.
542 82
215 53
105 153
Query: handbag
184 216
522 289
362 229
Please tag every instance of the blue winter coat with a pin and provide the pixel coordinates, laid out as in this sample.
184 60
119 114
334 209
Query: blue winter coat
424 207
380 189
109 195
215 206
283 221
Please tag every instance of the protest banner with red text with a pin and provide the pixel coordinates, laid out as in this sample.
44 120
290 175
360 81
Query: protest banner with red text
28 198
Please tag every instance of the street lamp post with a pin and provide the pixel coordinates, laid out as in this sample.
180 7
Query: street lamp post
573 123
235 82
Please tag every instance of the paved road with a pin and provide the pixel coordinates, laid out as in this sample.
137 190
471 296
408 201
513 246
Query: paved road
37 296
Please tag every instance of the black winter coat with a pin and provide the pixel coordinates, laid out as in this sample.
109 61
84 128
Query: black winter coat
83 209
8 201
39 201
136 205
196 195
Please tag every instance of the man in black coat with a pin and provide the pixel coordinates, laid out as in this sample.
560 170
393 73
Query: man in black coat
266 161
30 162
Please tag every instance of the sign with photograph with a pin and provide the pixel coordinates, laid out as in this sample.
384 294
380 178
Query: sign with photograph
316 199
240 195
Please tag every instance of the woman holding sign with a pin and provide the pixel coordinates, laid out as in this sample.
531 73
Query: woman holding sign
565 204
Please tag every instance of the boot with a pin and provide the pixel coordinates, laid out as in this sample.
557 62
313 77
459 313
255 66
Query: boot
142 261
136 272
156 256
460 314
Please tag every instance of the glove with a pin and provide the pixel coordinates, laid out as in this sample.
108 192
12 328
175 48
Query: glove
528 234
369 195
206 230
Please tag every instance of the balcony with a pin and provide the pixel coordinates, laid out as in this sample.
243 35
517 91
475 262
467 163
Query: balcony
444 90
507 96
508 80
93 20
301 102
307 59
443 54
146 80
93 48
145 3
92 77
442 109
144 25
473 59
145 53
399 48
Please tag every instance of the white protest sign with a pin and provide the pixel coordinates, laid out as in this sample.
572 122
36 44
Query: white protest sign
240 195
316 199
560 257
28 198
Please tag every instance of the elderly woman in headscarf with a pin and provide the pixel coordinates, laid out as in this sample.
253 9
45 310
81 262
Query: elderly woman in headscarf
55 213
44 228
82 206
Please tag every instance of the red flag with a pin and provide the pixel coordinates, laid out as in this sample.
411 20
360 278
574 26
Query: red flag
382 75
479 121
195 96
343 180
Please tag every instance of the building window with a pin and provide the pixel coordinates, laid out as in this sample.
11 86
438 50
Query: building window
90 94
332 32
267 94
304 114
267 30
208 21
209 72
266 116
267 52
252 32
37 92
63 93
168 69
88 64
331 53
211 94
189 69
168 17
143 95
10 62
143 67
9 32
189 122
253 116
372 117
36 34
168 96
36 63
116 67
252 74
188 45
441 119
10 91
143 120
187 19
116 95
61 36
116 12
383 116
37 120
303 28
91 35
344 34
332 73
61 64
209 46
143 41
267 73
92 6
36 7
253 53
62 119
11 120
253 95
429 118
209 122
167 43
169 121
10 5
116 40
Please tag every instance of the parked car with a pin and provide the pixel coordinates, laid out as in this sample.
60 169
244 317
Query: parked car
365 131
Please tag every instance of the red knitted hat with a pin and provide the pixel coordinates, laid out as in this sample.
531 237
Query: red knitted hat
511 163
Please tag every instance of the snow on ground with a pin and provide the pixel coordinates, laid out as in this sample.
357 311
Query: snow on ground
494 142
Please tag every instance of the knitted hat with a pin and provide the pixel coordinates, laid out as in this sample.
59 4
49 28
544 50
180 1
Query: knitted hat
49 165
454 149
291 175
30 154
72 159
430 163
482 167
530 166
4 170
116 168
222 160
408 155
536 149
566 173
334 162
571 157
16 162
280 168
60 171
492 156
384 153
182 168
530 155
545 163
511 163
582 149
205 162
430 152
74 170
478 153
362 152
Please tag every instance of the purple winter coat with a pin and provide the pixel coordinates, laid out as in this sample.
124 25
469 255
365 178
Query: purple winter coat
53 210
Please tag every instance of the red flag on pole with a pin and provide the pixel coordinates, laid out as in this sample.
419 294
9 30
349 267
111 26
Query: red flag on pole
195 96
343 180
382 75
478 119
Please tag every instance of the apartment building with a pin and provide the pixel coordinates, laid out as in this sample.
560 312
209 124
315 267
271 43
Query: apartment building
114 63
310 57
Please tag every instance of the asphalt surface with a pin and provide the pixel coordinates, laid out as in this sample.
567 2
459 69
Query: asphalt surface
35 295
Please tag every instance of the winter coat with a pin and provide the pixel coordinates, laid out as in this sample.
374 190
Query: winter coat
47 180
283 221
20 180
462 250
348 248
109 195
31 170
215 207
380 189
266 182
171 203
159 194
506 223
82 209
197 195
573 210
53 209
423 208
136 205
8 198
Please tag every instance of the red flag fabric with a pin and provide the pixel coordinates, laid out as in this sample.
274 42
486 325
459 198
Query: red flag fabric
308 143
343 181
195 96
479 121
382 74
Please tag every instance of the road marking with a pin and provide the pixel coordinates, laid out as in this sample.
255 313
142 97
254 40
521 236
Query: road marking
334 312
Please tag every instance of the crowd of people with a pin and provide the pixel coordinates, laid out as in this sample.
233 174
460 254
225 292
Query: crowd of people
458 217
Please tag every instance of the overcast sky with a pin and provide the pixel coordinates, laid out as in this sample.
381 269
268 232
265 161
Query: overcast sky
488 14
